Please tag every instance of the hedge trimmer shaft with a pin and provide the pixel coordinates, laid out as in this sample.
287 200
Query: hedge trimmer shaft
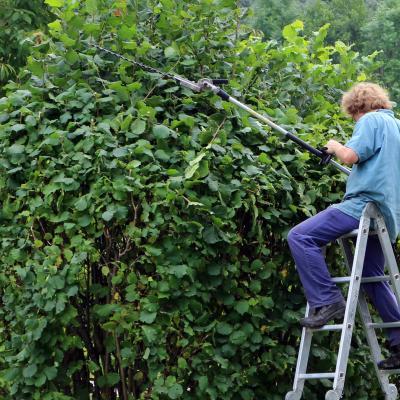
211 84
182 81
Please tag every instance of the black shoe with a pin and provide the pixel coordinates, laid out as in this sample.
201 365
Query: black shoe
323 314
393 361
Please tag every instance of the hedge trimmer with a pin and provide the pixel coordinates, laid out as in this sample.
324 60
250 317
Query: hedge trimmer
211 85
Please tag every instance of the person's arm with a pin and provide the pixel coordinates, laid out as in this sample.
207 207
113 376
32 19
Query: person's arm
366 140
343 153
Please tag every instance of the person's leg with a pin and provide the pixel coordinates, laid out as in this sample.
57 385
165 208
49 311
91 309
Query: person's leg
380 293
306 241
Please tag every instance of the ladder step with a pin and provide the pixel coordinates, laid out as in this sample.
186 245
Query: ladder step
384 325
390 371
342 279
337 327
327 375
369 279
354 233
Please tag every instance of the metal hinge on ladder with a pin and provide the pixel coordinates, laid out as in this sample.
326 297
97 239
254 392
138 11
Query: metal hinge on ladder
354 297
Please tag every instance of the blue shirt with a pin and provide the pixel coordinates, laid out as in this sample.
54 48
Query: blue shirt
376 176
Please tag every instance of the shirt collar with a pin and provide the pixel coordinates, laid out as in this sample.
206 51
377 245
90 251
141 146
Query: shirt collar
386 111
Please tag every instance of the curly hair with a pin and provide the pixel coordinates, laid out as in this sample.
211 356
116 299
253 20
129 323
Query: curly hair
364 97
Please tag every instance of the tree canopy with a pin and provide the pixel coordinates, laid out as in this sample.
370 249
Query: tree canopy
367 25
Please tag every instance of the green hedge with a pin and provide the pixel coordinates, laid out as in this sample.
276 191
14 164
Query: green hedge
21 22
143 226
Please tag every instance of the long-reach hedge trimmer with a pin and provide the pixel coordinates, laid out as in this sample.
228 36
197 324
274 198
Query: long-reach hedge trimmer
211 84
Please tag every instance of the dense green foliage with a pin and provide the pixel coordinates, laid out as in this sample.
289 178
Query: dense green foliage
368 25
21 22
270 17
382 33
142 236
345 26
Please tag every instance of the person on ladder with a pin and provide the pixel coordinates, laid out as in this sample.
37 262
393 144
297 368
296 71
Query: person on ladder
373 151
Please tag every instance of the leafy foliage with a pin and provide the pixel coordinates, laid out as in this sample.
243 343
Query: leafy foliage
20 24
271 17
143 225
368 25
345 26
381 34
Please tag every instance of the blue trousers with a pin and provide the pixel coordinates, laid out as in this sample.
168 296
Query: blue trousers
306 241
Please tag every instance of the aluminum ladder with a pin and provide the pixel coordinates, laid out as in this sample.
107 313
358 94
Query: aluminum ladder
355 298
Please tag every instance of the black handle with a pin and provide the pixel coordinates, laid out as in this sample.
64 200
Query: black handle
321 152
220 81
325 157
304 145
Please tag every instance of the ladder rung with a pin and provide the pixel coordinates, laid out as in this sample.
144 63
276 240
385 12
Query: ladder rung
350 234
369 279
355 233
337 327
372 279
327 375
384 325
342 279
390 371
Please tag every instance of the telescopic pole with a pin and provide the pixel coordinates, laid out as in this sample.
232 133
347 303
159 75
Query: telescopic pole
207 84
210 84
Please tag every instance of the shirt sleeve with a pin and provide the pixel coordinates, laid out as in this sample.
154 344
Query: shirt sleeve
367 138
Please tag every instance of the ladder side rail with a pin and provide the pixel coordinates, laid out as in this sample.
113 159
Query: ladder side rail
390 258
351 305
365 315
302 361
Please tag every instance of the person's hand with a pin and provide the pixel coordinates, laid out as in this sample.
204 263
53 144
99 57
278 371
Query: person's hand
332 146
